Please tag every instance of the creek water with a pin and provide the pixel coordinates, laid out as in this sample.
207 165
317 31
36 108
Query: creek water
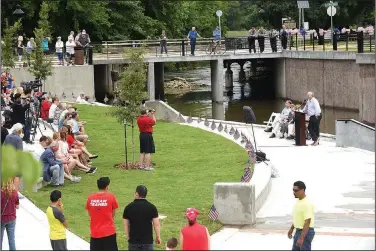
198 102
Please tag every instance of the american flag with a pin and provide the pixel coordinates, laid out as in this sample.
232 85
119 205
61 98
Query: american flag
247 175
251 152
213 213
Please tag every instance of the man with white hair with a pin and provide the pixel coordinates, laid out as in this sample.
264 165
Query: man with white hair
53 170
313 110
15 139
192 35
81 99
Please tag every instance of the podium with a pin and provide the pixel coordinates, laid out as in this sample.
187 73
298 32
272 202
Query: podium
300 129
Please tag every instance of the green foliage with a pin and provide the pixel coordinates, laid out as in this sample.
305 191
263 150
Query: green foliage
16 162
131 87
41 66
10 41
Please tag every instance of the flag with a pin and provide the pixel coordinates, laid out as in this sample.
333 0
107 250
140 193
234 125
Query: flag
247 175
213 213
251 152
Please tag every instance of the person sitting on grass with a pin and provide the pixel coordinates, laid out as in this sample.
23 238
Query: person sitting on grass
57 222
53 171
77 128
69 162
77 146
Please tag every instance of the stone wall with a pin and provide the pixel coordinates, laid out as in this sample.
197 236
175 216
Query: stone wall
351 133
69 79
336 83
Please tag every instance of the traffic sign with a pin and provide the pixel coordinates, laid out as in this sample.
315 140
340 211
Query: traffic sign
331 11
334 4
218 13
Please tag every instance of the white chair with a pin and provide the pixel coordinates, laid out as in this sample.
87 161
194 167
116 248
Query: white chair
269 123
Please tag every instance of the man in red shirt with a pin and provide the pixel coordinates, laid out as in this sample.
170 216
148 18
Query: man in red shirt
45 108
145 125
194 236
101 207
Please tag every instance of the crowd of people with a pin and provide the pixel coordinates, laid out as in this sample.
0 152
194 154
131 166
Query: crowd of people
63 51
283 124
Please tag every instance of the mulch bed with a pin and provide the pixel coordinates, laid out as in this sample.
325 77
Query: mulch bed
131 165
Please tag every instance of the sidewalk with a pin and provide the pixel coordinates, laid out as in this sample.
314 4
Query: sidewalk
340 182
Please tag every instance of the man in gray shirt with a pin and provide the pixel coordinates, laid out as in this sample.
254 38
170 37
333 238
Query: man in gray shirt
313 110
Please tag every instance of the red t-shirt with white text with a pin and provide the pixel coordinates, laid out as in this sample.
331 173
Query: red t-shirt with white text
100 206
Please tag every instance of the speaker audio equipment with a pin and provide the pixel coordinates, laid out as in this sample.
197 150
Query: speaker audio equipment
250 118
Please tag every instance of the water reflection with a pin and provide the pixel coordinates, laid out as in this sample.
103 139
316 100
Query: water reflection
198 102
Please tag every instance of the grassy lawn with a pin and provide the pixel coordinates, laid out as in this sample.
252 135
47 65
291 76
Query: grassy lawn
188 162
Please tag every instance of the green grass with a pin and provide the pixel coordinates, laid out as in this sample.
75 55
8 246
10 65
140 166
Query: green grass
188 162
237 33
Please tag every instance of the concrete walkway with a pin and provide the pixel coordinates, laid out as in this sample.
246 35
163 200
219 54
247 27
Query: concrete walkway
340 182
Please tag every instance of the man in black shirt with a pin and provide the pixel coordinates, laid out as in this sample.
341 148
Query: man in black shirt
4 131
138 217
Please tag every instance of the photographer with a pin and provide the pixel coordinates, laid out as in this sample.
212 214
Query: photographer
145 125
20 110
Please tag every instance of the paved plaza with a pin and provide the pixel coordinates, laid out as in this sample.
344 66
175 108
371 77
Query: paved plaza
340 182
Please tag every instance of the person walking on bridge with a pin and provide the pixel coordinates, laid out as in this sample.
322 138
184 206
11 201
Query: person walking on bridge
313 110
261 39
303 219
192 35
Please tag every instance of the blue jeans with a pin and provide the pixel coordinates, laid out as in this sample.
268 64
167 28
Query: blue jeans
307 240
193 45
10 226
27 129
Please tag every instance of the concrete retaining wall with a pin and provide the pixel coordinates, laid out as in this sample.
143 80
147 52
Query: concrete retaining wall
163 111
67 79
351 133
336 83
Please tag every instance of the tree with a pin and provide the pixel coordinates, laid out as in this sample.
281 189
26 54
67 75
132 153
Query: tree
10 41
41 66
16 162
131 90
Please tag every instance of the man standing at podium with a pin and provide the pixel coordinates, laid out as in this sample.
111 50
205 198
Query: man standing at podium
313 110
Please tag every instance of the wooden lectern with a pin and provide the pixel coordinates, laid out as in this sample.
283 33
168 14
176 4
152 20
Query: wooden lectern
300 129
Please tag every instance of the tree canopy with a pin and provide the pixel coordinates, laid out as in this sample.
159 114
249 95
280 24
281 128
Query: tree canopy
140 19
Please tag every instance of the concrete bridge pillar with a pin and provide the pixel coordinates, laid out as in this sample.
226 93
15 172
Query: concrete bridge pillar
242 77
151 81
216 67
159 80
229 80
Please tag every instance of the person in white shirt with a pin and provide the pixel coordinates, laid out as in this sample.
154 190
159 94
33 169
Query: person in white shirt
69 45
81 99
59 50
313 110
278 120
29 48
51 112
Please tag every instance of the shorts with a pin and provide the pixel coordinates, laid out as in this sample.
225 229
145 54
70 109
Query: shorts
59 244
146 143
70 56
107 243
19 51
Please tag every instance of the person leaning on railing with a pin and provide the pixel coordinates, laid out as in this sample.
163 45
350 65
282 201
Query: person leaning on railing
163 42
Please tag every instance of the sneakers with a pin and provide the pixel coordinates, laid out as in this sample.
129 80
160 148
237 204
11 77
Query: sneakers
93 157
148 169
92 170
269 129
272 136
76 179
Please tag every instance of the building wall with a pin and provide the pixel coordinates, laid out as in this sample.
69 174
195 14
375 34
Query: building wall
336 83
69 79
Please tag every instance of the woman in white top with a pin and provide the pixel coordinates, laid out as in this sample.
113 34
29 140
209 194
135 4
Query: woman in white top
59 50
69 45
29 48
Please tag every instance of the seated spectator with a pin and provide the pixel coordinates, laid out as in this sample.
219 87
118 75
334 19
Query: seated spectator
53 171
45 108
51 112
77 128
287 127
59 109
44 142
62 117
276 126
76 146
67 119
69 162
82 99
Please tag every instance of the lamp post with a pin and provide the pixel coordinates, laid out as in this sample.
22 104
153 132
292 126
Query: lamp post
219 14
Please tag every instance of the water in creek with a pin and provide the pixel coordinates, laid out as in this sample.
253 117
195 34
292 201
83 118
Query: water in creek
198 102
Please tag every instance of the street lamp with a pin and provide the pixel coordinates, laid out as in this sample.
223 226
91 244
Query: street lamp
18 11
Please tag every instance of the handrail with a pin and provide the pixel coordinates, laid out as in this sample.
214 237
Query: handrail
357 122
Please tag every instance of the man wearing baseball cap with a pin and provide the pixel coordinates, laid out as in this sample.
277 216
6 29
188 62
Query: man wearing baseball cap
194 236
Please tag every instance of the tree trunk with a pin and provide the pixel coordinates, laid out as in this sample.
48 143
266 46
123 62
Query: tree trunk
133 141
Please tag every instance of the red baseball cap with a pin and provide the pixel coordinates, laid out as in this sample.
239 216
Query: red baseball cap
191 214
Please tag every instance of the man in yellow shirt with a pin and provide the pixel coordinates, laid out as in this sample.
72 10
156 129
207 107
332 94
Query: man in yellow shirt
57 222
303 219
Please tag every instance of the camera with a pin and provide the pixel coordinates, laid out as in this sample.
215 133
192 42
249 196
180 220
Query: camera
31 85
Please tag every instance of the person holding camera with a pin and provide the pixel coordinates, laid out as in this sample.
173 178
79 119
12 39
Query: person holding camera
145 125
21 110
